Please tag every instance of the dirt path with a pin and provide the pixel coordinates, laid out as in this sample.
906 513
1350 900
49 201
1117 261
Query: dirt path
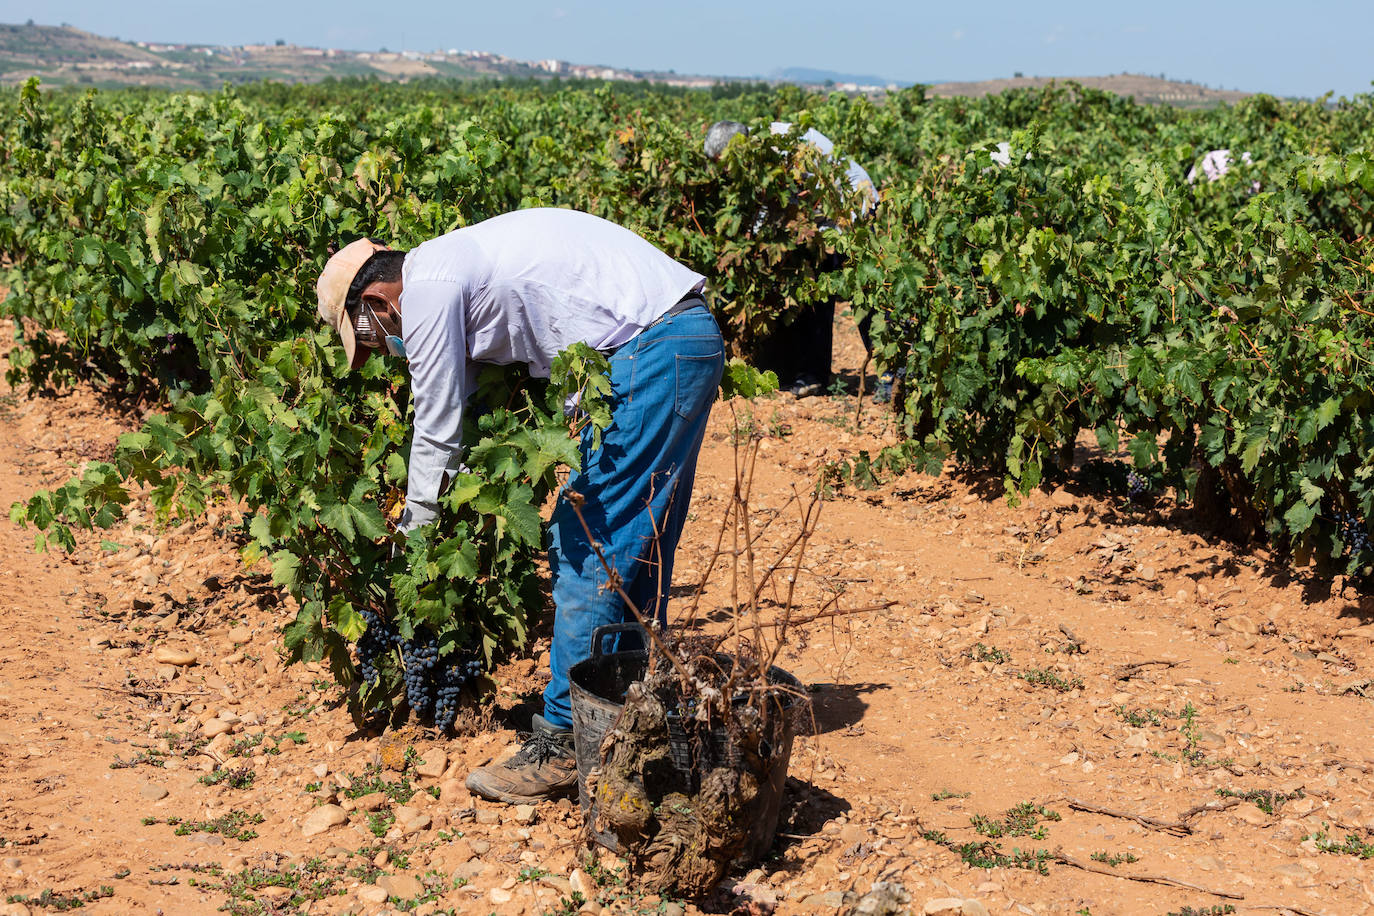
999 681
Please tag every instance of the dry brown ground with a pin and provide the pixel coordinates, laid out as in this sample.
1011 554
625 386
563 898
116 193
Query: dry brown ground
914 732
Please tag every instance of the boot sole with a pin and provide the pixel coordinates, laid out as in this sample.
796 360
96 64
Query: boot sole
511 798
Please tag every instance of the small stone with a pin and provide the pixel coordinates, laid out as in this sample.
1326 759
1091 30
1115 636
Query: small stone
373 895
369 802
500 895
1062 498
1139 740
590 908
14 909
240 635
579 881
1242 624
524 814
830 899
488 817
1300 807
216 727
322 818
469 870
1209 863
13 864
402 886
434 764
275 893
973 908
1291 870
153 792
673 909
944 906
480 847
166 655
416 824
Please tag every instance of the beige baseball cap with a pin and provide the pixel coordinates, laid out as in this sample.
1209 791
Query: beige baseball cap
332 290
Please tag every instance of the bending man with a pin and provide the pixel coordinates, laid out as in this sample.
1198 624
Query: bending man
519 288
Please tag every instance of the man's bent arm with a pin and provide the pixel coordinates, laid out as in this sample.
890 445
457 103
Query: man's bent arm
433 319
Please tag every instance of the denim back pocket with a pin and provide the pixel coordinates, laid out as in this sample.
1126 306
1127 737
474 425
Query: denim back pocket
698 379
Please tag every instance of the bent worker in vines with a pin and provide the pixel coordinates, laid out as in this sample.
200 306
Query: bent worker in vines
519 288
800 350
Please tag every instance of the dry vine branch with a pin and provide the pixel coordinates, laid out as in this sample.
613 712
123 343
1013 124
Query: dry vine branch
1209 806
1064 859
1126 672
1177 829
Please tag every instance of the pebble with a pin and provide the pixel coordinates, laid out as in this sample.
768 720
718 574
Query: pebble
153 792
166 655
524 814
372 895
434 764
369 802
469 870
480 847
673 909
403 886
945 906
500 895
830 899
13 864
488 817
217 727
240 635
580 883
322 818
14 909
416 824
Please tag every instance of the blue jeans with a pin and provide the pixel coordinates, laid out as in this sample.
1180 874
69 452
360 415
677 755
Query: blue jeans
636 488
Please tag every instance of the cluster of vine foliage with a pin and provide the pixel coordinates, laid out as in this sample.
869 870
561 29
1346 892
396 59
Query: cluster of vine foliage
1219 331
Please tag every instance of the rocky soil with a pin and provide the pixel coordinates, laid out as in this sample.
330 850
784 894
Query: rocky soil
1072 706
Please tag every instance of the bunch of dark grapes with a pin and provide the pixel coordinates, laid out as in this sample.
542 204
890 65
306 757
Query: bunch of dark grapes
1354 534
374 644
1137 485
451 680
420 655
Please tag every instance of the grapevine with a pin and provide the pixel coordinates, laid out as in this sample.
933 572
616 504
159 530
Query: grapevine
168 245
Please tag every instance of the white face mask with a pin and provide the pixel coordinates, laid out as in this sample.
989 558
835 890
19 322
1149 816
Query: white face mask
395 346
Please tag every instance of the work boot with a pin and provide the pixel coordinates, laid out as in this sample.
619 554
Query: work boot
545 767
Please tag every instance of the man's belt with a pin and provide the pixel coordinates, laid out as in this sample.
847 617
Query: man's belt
686 303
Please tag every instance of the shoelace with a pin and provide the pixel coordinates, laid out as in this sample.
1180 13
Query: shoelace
540 749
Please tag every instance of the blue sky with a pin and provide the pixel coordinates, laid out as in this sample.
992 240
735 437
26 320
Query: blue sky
1260 45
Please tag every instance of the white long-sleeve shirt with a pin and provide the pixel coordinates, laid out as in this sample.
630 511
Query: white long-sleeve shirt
517 288
857 174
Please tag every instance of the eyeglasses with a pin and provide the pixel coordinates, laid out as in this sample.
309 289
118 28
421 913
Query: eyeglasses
366 327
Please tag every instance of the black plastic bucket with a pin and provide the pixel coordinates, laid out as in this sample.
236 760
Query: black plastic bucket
598 686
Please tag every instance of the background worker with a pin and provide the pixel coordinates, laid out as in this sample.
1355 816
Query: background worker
799 351
519 288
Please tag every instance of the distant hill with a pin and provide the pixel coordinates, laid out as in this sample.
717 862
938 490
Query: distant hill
66 56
